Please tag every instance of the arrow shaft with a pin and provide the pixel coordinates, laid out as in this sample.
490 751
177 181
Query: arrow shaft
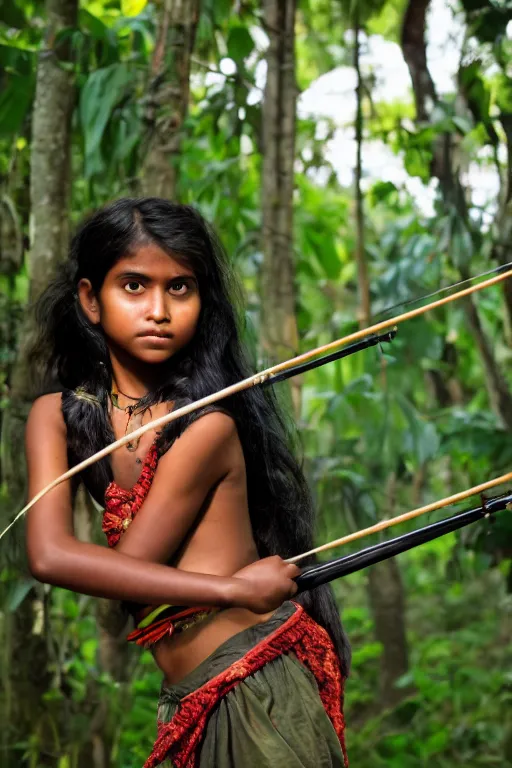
343 566
406 516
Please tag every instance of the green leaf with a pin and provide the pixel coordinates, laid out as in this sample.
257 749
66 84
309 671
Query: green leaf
422 438
436 742
89 650
367 652
239 44
381 192
132 7
324 248
417 163
462 123
102 91
18 592
12 15
18 85
504 93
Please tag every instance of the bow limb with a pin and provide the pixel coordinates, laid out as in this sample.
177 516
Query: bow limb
323 573
406 516
257 379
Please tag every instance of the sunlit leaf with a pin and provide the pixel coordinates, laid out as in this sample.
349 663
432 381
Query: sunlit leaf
132 7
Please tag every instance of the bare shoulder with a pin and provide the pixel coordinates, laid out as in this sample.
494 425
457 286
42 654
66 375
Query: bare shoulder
211 440
216 425
45 442
46 415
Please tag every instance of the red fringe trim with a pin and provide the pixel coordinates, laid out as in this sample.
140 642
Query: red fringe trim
180 739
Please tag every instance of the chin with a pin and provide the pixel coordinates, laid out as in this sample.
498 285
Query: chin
155 357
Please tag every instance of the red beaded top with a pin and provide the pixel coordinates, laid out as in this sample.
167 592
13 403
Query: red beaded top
121 505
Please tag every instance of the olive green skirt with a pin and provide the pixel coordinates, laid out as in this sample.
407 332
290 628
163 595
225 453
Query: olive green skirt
274 717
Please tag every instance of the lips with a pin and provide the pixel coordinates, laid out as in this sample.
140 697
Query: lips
156 334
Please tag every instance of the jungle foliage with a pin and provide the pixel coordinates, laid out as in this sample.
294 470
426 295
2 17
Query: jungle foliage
382 431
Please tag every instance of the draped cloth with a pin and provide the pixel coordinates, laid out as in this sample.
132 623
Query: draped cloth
272 695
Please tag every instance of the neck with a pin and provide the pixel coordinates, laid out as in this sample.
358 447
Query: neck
130 378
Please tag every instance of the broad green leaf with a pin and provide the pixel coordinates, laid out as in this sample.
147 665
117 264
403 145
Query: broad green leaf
102 91
239 43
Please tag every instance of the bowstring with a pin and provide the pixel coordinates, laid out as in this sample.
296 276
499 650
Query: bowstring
440 291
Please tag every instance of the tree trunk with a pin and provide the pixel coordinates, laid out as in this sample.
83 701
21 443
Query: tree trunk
168 97
414 50
446 388
51 149
415 54
362 268
278 291
502 250
499 393
26 676
13 198
387 603
49 198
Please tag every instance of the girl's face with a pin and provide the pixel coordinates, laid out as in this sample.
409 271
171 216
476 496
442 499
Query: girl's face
148 305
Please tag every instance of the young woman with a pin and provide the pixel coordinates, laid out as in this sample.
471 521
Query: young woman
198 516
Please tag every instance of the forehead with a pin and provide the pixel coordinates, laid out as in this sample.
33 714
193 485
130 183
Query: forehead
152 261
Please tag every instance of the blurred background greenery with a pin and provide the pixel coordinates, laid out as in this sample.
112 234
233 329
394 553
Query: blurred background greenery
351 156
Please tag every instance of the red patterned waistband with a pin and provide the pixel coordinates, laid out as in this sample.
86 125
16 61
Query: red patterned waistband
177 621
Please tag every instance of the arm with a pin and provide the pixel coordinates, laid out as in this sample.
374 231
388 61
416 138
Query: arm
204 455
57 557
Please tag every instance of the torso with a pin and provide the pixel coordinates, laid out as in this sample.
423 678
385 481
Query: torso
219 543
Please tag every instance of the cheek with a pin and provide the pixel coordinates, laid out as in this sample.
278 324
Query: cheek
189 318
195 314
116 315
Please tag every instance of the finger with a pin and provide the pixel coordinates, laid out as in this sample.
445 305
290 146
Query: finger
293 589
293 570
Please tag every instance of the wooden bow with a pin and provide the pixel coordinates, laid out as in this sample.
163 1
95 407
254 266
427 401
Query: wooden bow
383 524
256 380
313 576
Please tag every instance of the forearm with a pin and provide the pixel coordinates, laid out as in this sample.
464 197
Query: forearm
94 570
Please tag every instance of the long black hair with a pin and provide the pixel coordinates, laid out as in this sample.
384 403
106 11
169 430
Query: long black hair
74 353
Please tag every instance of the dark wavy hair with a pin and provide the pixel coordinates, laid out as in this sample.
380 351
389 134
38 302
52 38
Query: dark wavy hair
74 353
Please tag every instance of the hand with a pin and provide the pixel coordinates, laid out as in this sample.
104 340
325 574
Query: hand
268 583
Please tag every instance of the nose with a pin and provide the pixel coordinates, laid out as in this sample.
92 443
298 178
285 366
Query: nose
158 307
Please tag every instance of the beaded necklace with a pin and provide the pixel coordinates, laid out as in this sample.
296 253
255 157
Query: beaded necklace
135 416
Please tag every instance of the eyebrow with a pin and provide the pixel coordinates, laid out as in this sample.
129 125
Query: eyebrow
133 274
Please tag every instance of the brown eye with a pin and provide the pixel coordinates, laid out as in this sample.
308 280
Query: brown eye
133 287
179 287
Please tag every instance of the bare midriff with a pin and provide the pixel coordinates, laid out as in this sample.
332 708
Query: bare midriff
220 543
208 551
180 654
